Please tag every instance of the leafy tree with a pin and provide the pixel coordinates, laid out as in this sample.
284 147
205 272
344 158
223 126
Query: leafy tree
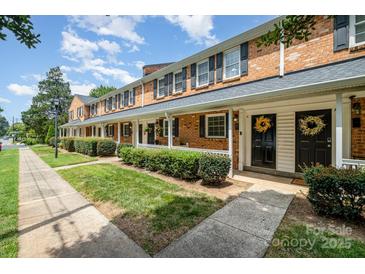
101 90
21 27
41 113
18 129
1 110
292 27
4 125
50 133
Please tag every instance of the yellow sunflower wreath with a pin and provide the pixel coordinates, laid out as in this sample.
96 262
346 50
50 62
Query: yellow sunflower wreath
262 124
311 125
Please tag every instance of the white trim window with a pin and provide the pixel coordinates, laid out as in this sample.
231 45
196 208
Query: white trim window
131 97
215 125
80 112
357 30
114 103
161 87
178 82
166 127
126 129
231 62
203 73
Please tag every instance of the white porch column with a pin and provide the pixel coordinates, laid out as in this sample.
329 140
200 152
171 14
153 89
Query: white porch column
137 135
102 131
339 115
230 141
170 138
118 132
241 142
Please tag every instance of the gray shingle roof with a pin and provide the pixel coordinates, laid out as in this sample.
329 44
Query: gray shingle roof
85 99
334 76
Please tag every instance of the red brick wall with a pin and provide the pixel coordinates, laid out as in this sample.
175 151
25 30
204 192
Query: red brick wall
358 134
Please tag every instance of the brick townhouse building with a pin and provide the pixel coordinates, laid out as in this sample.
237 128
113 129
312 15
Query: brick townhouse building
270 109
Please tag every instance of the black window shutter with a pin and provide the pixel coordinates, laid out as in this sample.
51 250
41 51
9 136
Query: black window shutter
155 88
121 129
202 126
244 58
183 72
170 76
134 96
112 130
193 75
227 124
119 100
105 105
176 133
341 32
160 122
219 67
211 69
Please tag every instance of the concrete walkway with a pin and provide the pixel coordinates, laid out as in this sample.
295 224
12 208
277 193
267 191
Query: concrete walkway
243 228
106 160
56 221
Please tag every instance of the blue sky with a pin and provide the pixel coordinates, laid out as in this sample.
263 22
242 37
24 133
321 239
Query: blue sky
94 50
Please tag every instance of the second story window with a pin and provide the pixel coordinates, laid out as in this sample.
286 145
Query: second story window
161 87
178 82
79 112
232 63
203 73
126 98
71 115
357 30
109 103
131 97
114 103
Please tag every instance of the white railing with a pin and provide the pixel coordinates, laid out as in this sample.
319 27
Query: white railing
353 163
215 151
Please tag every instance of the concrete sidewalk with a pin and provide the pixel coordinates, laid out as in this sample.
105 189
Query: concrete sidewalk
243 228
56 221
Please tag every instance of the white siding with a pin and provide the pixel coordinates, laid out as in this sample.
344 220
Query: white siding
285 141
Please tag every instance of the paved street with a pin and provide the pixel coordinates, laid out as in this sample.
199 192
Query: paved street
56 221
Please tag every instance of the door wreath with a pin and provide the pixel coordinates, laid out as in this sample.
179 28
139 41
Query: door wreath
262 124
311 125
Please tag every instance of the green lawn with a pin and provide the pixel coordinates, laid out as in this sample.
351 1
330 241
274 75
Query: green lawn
64 158
9 170
153 212
296 241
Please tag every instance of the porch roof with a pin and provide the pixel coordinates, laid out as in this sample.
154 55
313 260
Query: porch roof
350 73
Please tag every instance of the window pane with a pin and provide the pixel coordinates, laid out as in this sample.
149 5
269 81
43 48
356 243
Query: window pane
216 126
203 79
161 87
359 18
360 28
178 81
231 62
360 37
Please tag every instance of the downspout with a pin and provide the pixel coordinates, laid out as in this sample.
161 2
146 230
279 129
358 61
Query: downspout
142 99
282 58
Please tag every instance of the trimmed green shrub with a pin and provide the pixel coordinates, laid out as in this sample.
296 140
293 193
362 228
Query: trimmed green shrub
87 146
106 147
68 143
214 168
336 192
125 154
31 141
120 146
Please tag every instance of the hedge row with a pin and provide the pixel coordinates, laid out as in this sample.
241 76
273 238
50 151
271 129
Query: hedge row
336 192
89 146
188 165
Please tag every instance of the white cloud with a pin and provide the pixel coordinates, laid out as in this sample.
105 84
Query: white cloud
134 48
4 100
22 89
30 77
76 48
198 27
139 64
120 26
110 47
82 89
